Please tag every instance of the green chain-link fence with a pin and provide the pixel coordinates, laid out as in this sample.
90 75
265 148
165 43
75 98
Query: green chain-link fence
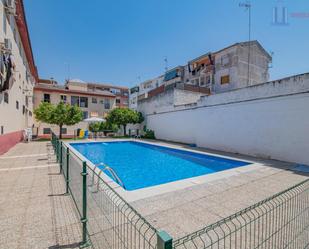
108 221
278 222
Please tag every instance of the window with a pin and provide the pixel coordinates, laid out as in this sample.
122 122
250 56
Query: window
225 60
17 105
117 101
85 115
64 130
202 80
4 22
75 100
107 104
102 101
46 97
14 33
2 129
208 79
19 48
63 99
24 109
134 89
115 91
6 97
30 114
94 100
195 81
83 102
225 79
26 100
46 131
79 101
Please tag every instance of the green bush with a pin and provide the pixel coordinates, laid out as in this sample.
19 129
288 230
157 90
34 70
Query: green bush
150 134
108 126
94 127
124 116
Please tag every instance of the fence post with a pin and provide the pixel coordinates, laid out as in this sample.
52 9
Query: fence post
56 150
164 240
85 241
60 155
67 173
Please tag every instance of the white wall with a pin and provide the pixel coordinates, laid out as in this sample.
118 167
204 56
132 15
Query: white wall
11 118
274 127
167 101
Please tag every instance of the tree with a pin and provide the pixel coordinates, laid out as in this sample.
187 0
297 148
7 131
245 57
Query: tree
60 114
124 116
140 118
95 127
108 126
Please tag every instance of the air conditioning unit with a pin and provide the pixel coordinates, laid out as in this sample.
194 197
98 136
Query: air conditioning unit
7 45
10 7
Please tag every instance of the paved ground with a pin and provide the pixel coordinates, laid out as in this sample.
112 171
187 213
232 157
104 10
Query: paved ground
34 213
184 211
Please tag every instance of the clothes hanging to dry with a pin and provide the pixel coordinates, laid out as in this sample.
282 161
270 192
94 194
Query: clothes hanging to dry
2 71
6 72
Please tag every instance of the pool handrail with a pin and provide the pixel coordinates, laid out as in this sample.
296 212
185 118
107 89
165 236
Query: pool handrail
111 170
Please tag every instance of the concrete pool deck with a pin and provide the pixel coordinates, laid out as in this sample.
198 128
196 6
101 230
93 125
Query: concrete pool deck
186 182
184 211
34 213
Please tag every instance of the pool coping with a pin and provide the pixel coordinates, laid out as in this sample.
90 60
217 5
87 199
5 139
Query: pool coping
151 191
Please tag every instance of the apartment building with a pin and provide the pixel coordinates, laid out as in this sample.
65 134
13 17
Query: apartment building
95 100
200 71
121 92
18 74
140 91
237 66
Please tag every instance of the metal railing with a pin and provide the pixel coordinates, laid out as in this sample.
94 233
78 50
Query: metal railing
281 221
108 221
111 171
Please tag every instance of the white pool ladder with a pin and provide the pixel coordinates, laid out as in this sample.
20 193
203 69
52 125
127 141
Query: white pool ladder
107 168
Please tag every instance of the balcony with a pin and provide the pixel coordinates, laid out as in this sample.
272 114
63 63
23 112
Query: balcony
142 96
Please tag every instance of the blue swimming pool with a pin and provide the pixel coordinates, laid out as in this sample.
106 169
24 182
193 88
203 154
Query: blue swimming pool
140 165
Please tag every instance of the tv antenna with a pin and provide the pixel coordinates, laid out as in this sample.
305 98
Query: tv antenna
247 5
68 70
271 65
166 63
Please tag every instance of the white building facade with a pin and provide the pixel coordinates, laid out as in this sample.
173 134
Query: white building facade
95 100
141 90
232 70
18 74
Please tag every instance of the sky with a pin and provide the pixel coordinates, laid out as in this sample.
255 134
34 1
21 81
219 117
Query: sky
125 42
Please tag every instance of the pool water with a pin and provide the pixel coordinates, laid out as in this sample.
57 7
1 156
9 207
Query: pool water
140 165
